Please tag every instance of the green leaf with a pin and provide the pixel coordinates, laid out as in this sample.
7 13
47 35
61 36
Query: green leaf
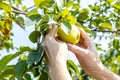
38 2
66 26
20 21
43 76
5 60
35 56
20 68
116 6
76 6
24 48
71 64
43 3
6 7
106 25
110 1
71 3
117 24
33 15
78 1
116 43
9 70
18 1
12 77
83 15
27 76
44 23
33 37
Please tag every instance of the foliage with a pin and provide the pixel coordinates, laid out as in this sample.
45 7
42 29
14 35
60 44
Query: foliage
101 20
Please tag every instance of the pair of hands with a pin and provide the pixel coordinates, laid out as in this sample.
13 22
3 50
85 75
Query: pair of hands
85 51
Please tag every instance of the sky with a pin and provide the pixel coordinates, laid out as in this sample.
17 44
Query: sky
21 36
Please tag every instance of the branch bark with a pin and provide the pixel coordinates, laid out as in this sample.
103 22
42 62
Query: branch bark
110 31
19 12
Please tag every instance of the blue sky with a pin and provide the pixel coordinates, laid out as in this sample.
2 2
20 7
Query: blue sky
21 36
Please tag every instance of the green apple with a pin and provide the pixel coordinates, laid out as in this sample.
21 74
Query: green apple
73 37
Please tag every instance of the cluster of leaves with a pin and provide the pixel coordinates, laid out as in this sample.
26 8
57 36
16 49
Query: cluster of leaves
5 26
102 17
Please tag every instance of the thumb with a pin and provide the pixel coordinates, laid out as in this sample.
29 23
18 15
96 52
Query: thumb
77 50
52 30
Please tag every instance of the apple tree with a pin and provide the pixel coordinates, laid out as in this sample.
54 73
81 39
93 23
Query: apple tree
101 21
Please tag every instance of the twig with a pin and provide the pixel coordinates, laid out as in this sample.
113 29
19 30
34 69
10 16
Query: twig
118 32
31 7
19 12
15 8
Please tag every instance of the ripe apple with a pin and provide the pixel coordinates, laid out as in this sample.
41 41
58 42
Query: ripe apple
73 37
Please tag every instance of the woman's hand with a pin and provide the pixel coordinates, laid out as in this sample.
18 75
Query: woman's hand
56 55
87 55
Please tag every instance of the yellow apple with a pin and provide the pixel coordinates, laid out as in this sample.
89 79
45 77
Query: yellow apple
73 37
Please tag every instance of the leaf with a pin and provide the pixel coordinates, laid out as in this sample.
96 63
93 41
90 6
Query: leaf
116 6
116 43
6 59
6 7
18 1
117 24
38 2
33 37
65 13
71 19
83 15
20 68
106 25
20 21
27 76
43 76
78 1
35 56
110 1
24 48
66 26
33 15
71 3
76 6
70 64
43 3
9 70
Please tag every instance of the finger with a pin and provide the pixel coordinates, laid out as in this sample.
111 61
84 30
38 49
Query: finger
77 50
52 30
84 35
82 43
87 41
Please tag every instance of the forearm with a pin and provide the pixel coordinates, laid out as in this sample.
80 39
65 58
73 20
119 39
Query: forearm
106 74
59 72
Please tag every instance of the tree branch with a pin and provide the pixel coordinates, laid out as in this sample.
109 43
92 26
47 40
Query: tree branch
118 32
31 7
19 12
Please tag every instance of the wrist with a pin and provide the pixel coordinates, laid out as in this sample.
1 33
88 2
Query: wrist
105 74
58 71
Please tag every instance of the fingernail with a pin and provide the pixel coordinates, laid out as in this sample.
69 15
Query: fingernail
69 44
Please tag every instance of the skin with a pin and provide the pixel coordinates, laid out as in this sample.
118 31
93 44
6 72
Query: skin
85 51
56 56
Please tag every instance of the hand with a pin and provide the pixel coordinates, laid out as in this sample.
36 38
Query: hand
86 53
56 56
56 50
